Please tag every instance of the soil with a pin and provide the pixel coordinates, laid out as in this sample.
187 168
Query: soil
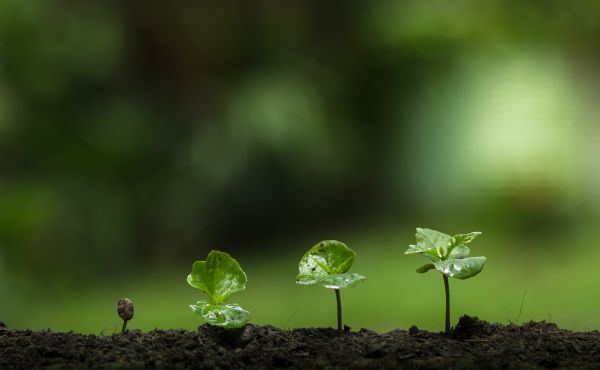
475 344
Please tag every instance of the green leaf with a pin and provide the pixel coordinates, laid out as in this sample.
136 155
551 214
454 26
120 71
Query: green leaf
347 280
423 269
462 239
219 276
432 255
326 264
461 268
461 251
227 316
432 242
424 251
459 239
326 258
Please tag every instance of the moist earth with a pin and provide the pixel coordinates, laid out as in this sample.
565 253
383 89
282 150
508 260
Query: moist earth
475 344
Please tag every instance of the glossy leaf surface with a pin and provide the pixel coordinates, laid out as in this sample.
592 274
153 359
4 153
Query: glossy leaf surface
431 242
462 251
346 280
462 239
326 264
461 268
448 254
227 316
219 276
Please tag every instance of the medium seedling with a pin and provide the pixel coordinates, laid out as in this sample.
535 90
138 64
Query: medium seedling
448 254
219 277
326 264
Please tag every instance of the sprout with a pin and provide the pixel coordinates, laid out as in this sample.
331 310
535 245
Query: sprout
326 264
448 254
125 311
219 277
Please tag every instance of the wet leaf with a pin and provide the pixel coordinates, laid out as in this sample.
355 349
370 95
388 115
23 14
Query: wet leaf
346 280
227 316
326 264
448 254
461 268
432 255
432 242
461 251
219 276
459 239
462 239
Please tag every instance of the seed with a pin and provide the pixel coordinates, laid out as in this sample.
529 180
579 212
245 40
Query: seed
125 309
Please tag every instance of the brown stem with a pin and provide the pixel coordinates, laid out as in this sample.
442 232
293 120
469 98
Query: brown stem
339 309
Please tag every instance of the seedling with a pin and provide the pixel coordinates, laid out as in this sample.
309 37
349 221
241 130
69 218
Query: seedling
327 264
219 277
125 311
448 254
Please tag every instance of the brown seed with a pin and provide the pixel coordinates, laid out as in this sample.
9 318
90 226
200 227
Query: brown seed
125 309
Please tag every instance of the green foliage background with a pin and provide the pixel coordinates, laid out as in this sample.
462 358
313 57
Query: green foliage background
137 136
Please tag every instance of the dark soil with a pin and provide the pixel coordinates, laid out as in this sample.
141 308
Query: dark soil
474 345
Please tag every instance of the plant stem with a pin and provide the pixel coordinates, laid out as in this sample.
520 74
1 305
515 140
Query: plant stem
124 328
447 304
339 309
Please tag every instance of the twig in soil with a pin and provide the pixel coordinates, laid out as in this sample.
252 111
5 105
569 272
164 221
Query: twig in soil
521 308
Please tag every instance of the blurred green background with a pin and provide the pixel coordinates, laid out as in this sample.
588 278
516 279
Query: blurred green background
136 136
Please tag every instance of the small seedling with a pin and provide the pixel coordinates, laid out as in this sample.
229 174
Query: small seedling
327 264
219 277
448 254
125 311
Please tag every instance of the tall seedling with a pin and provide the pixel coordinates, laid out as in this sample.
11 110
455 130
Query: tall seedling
449 255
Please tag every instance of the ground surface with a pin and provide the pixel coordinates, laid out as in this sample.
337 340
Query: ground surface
475 345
